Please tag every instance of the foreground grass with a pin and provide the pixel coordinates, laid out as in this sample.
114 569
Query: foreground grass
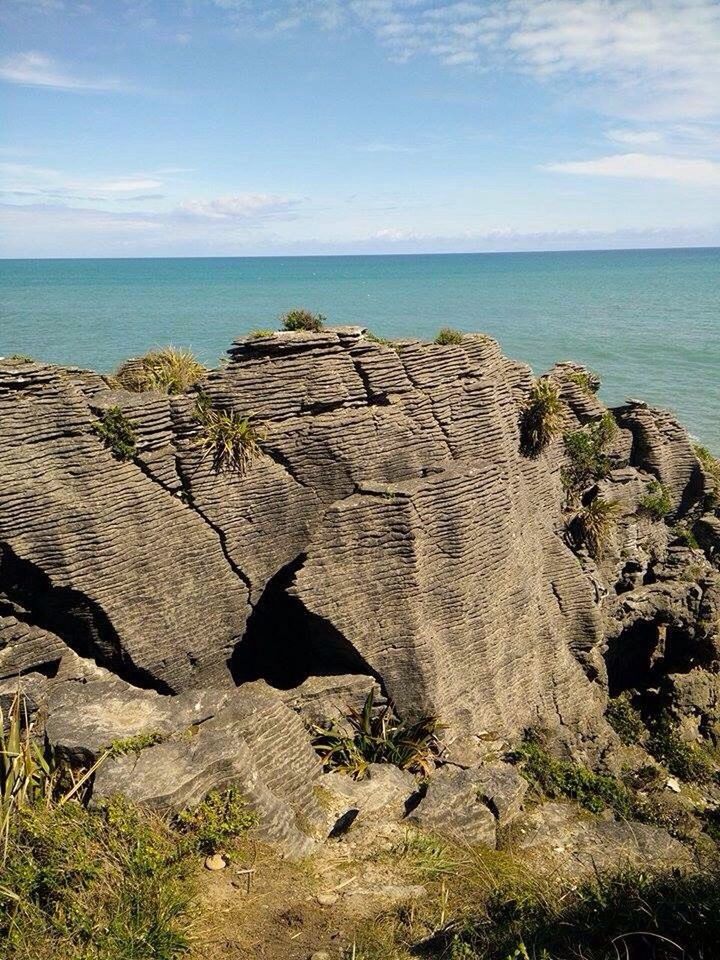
116 883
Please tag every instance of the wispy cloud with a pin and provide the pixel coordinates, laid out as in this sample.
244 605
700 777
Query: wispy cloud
34 69
241 207
644 166
45 182
643 58
635 137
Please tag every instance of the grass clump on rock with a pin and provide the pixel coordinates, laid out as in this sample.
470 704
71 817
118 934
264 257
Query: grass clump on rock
117 433
657 502
300 319
221 816
542 417
587 380
625 720
447 337
229 438
586 451
594 523
377 736
168 370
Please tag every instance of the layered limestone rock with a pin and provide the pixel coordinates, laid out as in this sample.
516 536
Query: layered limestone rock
390 534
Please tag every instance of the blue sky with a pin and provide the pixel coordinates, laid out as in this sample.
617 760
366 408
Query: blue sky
233 127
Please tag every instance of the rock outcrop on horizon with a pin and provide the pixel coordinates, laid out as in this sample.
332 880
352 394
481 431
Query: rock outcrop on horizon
391 533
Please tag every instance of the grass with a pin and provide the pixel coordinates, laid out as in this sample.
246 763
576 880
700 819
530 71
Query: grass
657 502
300 319
586 452
625 720
542 417
588 380
117 433
230 439
594 523
220 817
689 761
382 341
135 744
563 779
261 334
447 336
377 736
711 468
167 370
685 536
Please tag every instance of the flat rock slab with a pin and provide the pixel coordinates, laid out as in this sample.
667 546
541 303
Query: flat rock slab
453 807
576 843
381 797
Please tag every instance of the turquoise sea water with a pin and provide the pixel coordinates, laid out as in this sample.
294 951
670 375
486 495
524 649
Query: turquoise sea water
647 320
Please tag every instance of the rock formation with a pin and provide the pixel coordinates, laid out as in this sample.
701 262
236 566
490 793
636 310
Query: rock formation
391 533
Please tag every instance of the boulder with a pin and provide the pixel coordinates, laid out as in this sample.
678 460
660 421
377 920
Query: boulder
453 807
380 797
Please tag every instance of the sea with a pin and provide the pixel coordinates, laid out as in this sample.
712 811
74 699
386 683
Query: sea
648 321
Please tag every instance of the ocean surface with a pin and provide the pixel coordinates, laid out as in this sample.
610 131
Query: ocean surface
647 320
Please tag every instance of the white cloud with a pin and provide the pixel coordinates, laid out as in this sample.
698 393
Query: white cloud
33 69
640 58
244 206
643 166
635 137
45 182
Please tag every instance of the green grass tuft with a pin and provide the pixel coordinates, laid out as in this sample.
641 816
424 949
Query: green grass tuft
300 319
594 523
261 334
586 452
588 380
626 720
117 433
542 417
447 337
140 741
372 736
231 439
689 761
657 502
168 370
222 816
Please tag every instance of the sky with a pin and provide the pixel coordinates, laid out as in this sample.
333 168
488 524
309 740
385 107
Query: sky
240 127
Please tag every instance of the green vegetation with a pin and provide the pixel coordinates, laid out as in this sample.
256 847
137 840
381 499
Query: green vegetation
587 379
542 417
300 319
19 358
117 433
586 451
711 469
220 817
564 779
383 341
261 334
168 370
625 720
688 761
657 502
231 439
594 524
685 536
376 736
448 336
134 744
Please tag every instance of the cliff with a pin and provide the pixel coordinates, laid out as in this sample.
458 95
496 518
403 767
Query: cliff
394 533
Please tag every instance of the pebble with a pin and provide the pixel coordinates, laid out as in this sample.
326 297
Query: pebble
215 862
672 784
327 899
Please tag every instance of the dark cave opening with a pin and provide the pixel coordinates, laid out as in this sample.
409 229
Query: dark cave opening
647 651
284 643
27 593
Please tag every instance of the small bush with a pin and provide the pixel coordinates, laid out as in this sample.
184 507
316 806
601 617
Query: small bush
688 761
563 779
657 502
300 319
261 334
587 379
625 720
169 370
222 816
383 341
594 524
711 468
230 439
117 433
542 417
371 736
585 449
19 358
685 536
447 336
